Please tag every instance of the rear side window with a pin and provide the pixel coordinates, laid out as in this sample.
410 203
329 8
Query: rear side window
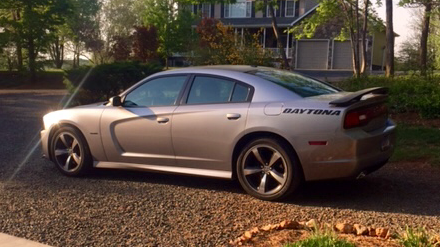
240 94
211 90
301 85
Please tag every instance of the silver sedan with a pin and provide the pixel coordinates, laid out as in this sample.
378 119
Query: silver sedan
270 129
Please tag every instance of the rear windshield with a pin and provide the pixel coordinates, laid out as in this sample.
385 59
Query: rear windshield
299 84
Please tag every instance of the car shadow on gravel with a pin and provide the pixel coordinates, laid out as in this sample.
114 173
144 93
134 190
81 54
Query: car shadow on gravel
168 179
391 189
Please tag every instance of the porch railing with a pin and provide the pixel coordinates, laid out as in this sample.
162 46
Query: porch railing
276 52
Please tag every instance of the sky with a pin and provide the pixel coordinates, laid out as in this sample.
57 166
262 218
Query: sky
402 17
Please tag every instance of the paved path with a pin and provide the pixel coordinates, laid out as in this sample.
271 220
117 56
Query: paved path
11 241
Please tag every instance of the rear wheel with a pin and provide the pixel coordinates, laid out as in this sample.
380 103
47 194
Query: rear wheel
70 152
267 170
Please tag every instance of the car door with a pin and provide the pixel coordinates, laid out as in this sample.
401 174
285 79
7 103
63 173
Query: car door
139 131
211 116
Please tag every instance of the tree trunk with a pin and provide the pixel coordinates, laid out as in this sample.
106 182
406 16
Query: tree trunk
424 39
277 36
19 50
32 58
358 30
389 63
364 38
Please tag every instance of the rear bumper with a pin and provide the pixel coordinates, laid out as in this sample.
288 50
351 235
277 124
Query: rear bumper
354 153
44 135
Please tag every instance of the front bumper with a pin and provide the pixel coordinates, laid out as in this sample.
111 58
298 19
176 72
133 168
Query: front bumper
44 134
352 154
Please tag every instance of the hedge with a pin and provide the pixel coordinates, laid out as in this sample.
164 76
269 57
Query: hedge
105 80
407 93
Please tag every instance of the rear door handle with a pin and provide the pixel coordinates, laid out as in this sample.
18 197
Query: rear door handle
162 120
233 116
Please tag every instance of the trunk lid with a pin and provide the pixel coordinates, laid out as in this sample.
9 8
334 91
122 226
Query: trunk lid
366 108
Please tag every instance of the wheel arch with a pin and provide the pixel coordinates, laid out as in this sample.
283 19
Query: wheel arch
257 135
57 127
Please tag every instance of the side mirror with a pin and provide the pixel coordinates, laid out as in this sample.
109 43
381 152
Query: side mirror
115 101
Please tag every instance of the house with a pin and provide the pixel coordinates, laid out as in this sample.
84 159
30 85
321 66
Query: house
322 52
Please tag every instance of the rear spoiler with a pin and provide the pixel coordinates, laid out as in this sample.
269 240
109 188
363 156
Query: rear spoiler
356 96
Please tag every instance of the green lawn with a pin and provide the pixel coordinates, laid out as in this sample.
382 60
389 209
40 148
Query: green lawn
415 143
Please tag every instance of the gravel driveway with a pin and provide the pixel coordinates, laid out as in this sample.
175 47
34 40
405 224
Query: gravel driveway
111 208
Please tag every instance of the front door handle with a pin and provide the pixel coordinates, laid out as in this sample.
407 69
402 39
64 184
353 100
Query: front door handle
162 120
233 116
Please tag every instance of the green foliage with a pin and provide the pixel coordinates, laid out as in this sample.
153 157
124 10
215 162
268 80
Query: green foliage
417 144
321 239
407 93
173 27
415 238
106 80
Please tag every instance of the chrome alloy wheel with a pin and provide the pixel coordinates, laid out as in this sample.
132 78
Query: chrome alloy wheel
68 152
265 169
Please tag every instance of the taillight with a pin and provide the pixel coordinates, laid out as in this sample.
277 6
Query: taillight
360 117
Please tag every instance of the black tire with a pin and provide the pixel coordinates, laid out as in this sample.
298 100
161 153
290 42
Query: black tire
70 157
286 165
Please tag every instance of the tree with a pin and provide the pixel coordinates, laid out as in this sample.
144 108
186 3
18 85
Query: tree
389 67
34 22
429 6
121 48
82 26
145 43
173 26
271 5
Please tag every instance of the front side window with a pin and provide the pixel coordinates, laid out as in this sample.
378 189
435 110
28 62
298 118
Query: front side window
210 90
301 85
156 92
242 8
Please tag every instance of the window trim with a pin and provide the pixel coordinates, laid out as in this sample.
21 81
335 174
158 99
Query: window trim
184 99
146 80
209 10
294 8
229 6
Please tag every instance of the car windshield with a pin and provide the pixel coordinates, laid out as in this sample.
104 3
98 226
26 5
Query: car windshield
299 84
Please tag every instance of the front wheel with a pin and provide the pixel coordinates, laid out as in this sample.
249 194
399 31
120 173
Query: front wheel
70 152
267 171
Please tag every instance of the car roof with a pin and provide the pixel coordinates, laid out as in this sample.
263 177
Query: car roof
235 68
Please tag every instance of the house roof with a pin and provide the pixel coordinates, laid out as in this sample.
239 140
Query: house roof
257 22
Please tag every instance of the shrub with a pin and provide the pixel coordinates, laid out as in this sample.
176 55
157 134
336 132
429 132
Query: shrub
415 238
105 80
321 239
218 44
407 93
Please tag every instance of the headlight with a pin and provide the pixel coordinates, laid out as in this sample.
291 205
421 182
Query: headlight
49 120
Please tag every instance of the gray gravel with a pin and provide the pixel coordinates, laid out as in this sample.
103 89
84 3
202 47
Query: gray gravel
128 208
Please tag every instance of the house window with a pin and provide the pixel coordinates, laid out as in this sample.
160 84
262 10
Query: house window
276 10
203 9
206 10
290 8
242 8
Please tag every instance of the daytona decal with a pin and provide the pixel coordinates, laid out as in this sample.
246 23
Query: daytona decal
312 111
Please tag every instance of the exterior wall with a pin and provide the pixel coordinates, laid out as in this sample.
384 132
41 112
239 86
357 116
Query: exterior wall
217 11
259 14
379 43
302 7
309 4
